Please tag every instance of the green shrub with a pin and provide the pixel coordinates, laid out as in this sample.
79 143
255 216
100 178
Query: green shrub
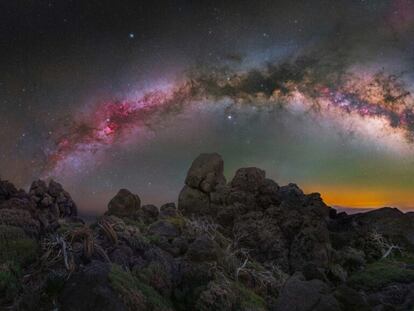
135 293
248 299
381 273
154 239
16 246
178 221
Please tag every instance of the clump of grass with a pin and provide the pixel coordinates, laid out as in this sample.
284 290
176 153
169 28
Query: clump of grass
136 294
65 228
248 299
224 294
154 239
383 272
16 246
156 276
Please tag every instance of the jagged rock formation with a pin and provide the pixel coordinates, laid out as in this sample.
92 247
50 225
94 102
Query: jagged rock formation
37 211
248 244
280 225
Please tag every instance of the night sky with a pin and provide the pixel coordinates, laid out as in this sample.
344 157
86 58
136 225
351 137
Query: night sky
101 95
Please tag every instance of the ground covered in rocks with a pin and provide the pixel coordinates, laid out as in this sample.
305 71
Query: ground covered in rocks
247 244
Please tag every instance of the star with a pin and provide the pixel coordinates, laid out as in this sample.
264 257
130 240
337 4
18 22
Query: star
131 35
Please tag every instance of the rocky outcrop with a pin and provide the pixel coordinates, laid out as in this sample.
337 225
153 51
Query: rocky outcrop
281 225
37 211
246 245
53 198
204 176
124 203
301 295
206 172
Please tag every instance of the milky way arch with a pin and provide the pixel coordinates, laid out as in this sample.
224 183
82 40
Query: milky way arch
318 86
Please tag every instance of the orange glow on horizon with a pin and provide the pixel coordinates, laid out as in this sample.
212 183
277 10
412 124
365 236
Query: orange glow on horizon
348 196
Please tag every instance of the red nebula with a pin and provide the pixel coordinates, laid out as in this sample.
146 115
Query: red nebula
112 122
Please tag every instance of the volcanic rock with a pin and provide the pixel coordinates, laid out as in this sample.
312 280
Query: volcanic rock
164 228
124 203
245 245
248 179
192 201
301 295
206 172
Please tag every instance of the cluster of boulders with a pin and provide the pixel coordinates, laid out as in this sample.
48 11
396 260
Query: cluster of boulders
248 244
281 225
37 211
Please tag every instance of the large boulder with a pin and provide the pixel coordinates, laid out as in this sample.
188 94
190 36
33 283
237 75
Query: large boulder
55 188
248 179
203 249
164 228
301 295
206 172
38 188
310 244
192 201
7 190
124 203
168 210
52 199
148 213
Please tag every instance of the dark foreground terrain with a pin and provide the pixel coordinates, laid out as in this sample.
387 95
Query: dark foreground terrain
244 245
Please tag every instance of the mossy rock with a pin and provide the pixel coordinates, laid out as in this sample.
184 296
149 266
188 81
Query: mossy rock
177 221
170 227
137 295
382 273
124 203
16 246
135 223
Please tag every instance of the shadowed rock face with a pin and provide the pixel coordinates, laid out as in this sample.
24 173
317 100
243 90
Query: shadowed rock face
206 172
124 203
279 224
249 244
37 211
